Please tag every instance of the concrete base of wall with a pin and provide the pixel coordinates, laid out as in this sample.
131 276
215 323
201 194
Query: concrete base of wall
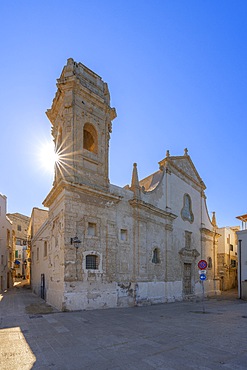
244 290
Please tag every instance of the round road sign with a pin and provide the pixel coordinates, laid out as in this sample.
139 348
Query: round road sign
203 277
202 265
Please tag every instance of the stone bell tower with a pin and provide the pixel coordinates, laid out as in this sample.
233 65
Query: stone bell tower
81 125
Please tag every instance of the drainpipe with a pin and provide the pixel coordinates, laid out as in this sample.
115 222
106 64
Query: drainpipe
240 270
214 262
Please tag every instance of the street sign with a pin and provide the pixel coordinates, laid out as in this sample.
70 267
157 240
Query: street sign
203 277
202 272
202 265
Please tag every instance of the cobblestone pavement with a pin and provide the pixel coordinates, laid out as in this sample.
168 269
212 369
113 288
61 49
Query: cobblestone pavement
166 336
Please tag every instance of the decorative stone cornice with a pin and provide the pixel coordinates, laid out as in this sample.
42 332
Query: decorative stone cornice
168 227
64 185
80 80
53 194
210 232
189 253
137 203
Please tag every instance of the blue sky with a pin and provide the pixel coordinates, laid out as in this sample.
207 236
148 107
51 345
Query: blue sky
177 75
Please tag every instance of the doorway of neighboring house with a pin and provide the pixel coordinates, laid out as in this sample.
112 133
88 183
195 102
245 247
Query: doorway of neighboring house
42 286
8 280
187 287
1 284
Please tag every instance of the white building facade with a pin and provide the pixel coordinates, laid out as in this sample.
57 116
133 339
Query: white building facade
105 246
6 247
20 224
242 258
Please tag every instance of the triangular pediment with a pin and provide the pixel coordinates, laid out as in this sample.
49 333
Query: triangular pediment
184 166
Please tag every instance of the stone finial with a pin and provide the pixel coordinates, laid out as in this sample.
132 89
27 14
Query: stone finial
167 153
135 187
214 220
70 61
185 151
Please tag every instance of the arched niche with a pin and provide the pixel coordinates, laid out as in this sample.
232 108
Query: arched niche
90 138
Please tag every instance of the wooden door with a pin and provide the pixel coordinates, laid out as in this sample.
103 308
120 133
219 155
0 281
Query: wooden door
187 279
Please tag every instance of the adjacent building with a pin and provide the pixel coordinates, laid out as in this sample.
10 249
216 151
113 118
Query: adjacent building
228 257
6 247
37 219
20 225
106 246
242 258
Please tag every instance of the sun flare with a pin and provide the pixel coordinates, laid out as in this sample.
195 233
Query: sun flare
48 157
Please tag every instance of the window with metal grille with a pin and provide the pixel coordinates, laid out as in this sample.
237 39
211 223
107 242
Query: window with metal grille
92 262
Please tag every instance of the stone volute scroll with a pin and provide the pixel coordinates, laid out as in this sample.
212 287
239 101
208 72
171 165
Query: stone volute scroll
186 212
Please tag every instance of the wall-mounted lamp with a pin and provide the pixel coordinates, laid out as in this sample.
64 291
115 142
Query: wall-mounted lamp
75 241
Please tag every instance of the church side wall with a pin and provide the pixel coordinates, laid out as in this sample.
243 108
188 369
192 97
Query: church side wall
123 239
56 266
48 257
39 262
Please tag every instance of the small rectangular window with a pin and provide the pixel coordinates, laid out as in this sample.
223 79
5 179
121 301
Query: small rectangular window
188 240
2 259
16 254
231 247
91 229
156 258
123 234
37 254
210 263
19 227
45 249
233 263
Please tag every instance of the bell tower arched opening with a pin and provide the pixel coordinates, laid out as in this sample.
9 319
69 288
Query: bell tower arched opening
90 138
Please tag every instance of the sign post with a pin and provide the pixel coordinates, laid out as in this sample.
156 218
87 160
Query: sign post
202 265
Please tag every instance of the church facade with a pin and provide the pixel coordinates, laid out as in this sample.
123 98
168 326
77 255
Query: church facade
106 246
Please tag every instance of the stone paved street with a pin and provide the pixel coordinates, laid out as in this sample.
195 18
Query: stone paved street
170 336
